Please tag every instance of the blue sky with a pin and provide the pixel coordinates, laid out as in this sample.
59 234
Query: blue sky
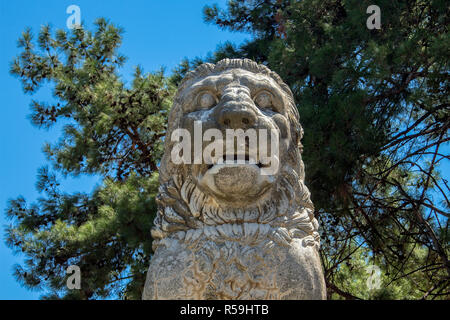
157 33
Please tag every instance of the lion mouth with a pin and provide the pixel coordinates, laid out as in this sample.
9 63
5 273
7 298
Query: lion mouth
236 177
234 160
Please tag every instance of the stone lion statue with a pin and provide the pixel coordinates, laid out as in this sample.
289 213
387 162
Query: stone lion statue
223 229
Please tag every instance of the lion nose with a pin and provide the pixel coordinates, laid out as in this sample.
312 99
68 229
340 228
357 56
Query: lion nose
236 117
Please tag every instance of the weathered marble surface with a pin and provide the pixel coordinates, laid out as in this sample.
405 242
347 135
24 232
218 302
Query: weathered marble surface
226 231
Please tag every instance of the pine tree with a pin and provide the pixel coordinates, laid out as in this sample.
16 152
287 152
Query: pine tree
110 130
374 107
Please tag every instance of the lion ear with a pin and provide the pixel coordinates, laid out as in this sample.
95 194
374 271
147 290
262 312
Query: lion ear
297 128
300 147
299 138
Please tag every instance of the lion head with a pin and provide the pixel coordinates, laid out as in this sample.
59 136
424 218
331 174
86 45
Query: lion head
233 194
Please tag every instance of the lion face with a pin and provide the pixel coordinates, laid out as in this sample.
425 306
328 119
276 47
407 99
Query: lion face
226 189
232 102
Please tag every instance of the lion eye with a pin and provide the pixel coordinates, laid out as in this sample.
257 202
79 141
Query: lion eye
206 100
263 100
